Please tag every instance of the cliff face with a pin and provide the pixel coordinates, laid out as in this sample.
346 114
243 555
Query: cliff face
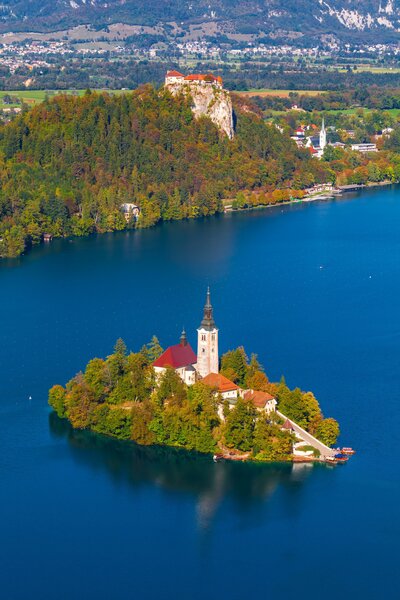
209 100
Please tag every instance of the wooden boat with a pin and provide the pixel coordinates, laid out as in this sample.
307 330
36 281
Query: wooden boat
348 451
341 458
218 457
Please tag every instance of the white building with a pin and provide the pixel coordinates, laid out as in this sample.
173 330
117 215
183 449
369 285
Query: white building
364 148
130 210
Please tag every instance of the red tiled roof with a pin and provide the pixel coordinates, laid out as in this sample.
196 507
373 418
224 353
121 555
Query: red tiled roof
216 380
259 399
176 356
287 425
202 77
174 74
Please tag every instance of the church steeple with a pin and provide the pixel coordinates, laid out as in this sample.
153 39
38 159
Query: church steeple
208 319
207 341
183 339
322 136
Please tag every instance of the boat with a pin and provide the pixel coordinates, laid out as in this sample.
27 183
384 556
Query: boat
330 460
341 458
218 457
348 451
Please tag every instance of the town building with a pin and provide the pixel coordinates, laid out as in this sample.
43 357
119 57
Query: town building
223 386
318 143
262 401
364 148
130 210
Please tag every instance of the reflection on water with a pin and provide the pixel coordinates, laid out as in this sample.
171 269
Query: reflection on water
178 471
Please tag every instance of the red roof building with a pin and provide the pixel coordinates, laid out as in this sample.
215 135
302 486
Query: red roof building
178 356
259 399
220 382
174 74
202 77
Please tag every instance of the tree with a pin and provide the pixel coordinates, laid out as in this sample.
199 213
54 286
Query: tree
236 362
142 415
57 399
152 350
239 426
120 347
328 431
170 387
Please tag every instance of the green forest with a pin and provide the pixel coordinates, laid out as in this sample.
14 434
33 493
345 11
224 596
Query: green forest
121 397
68 165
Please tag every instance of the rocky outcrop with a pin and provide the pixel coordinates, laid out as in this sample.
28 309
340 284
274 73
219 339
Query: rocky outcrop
209 100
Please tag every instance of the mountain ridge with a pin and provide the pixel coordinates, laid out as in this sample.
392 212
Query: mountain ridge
371 20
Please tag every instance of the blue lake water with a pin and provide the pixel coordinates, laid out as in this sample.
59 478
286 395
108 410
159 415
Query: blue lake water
314 290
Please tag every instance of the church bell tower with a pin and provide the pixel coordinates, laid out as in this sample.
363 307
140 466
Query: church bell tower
207 341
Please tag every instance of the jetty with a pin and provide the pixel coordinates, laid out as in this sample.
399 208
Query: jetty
302 434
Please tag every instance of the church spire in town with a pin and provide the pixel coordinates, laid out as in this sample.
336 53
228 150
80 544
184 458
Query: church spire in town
322 136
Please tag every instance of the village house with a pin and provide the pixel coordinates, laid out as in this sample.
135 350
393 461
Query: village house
223 386
262 401
130 210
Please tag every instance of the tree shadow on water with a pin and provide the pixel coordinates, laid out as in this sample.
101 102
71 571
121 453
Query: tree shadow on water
182 472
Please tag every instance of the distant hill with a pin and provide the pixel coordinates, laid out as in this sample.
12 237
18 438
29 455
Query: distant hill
367 20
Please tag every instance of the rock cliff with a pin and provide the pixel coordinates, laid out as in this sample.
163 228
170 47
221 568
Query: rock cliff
209 100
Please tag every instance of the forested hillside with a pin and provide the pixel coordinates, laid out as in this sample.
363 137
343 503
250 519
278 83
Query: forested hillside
68 165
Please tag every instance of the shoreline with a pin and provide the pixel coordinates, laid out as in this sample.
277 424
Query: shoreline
337 193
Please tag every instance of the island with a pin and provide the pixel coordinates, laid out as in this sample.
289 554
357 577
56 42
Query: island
225 407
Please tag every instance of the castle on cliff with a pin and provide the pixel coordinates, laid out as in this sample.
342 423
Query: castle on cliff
209 98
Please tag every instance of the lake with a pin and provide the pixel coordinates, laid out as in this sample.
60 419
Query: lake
314 290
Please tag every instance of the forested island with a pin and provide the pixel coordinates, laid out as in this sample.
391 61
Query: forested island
68 165
123 397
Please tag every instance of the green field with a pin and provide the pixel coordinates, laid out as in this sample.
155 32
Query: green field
35 96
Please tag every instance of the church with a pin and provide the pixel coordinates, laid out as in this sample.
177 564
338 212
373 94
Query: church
204 365
189 366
